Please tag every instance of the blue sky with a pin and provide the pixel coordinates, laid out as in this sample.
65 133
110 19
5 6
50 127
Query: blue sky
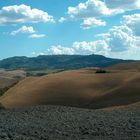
31 28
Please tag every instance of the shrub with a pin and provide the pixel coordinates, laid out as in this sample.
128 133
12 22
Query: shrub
101 71
41 74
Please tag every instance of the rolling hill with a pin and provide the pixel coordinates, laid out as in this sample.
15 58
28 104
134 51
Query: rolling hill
58 62
78 88
129 66
9 78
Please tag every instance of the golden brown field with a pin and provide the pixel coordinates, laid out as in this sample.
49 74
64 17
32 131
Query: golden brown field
79 88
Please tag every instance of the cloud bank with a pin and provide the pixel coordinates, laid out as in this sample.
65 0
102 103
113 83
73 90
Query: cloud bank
96 9
119 41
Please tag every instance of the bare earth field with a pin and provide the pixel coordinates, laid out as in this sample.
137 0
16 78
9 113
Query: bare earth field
77 88
133 66
65 123
9 77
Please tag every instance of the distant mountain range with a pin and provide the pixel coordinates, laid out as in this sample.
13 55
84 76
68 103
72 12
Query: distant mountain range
58 62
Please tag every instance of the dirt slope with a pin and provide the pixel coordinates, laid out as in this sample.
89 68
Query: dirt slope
133 66
81 88
9 77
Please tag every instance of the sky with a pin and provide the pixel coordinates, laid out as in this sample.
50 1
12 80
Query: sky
49 27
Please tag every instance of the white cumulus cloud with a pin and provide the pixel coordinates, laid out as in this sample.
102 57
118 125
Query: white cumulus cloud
81 48
92 22
133 22
58 50
120 38
61 20
93 47
123 5
119 41
24 30
23 14
91 8
101 8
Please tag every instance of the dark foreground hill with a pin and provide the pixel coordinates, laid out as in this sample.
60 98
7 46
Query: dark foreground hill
65 123
58 62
